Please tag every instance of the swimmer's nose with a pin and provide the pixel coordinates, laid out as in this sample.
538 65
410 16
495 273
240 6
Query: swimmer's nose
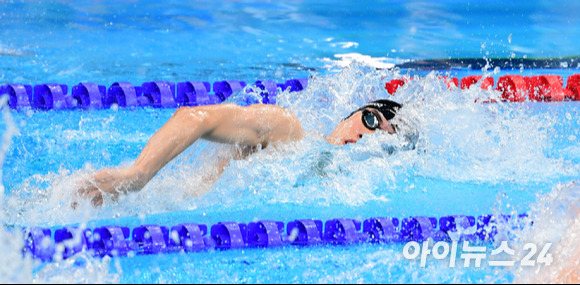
354 139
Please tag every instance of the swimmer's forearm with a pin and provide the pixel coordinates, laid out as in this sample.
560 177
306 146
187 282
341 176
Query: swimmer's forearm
184 128
225 123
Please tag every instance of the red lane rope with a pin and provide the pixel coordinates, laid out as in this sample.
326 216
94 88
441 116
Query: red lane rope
514 88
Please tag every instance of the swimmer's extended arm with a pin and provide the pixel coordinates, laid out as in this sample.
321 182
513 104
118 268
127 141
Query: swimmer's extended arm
225 123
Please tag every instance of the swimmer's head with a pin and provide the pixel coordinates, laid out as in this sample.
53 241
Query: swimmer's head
372 117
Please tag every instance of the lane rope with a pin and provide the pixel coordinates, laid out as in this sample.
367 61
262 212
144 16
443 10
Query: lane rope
164 94
119 241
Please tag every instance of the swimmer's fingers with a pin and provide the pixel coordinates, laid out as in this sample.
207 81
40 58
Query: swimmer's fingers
97 201
110 182
98 182
89 185
96 197
84 190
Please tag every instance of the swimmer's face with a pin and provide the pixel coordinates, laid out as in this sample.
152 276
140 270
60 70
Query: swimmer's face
352 129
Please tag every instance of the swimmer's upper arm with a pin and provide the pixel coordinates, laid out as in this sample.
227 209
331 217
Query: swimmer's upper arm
252 125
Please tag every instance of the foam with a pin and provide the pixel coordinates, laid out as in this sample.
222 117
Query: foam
556 220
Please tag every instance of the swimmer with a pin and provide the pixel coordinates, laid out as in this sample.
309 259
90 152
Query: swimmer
248 127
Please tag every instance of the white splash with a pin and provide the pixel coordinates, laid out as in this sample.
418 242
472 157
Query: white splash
346 59
16 268
556 218
345 45
13 267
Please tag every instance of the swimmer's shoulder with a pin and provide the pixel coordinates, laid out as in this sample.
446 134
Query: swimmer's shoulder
280 123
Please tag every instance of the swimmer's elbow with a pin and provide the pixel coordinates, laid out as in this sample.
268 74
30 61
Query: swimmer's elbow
196 119
192 114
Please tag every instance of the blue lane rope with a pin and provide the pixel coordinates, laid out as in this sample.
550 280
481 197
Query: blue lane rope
154 239
158 94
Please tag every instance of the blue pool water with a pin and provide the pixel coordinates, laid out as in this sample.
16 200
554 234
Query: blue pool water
472 158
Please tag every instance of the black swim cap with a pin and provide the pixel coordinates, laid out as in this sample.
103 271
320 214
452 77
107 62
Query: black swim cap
387 107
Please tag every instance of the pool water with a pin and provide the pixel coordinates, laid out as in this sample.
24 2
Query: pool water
471 158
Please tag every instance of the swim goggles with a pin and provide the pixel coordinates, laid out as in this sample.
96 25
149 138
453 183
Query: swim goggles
370 120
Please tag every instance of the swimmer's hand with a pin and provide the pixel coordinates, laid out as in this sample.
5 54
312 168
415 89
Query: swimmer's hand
108 182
